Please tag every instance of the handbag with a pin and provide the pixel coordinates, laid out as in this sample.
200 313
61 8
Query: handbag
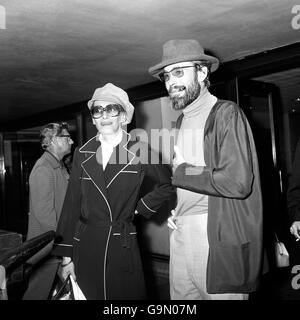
281 254
63 290
69 290
77 293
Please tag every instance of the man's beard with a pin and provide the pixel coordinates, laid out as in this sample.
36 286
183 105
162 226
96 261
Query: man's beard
192 92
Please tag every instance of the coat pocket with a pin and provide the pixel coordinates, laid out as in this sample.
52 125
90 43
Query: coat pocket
80 227
229 268
130 171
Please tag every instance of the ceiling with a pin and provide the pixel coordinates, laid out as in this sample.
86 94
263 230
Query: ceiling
55 53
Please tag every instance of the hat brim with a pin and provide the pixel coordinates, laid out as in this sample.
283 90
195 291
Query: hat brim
128 107
157 69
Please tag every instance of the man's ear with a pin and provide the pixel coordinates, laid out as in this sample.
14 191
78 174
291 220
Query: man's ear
52 140
123 118
202 74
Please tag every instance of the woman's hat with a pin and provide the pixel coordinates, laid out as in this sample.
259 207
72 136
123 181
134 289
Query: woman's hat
114 94
180 50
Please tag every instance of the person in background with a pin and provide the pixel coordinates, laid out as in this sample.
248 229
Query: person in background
293 195
48 182
216 227
96 235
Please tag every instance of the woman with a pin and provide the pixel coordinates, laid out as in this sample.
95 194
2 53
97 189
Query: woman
96 236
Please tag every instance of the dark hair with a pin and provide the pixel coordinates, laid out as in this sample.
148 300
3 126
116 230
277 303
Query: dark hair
51 130
207 64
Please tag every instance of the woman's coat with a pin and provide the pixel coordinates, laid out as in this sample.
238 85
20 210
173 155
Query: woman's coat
96 227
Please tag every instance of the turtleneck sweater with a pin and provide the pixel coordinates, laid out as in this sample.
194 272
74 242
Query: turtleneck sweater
190 143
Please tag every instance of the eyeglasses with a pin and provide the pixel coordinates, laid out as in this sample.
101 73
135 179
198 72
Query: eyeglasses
176 72
65 136
112 110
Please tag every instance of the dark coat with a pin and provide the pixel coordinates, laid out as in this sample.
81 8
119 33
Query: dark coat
96 228
231 180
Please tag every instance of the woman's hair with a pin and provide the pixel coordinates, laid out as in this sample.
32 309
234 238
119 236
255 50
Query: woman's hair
51 130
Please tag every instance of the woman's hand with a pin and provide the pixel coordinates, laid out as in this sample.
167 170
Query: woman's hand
66 268
172 221
178 158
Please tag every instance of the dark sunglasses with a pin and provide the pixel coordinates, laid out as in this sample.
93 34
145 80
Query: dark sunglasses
176 72
112 110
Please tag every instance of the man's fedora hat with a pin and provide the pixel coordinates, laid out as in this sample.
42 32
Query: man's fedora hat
114 94
180 50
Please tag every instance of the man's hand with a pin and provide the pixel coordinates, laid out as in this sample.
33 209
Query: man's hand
178 158
172 221
65 269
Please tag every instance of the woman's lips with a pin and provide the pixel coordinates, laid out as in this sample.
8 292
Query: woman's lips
106 123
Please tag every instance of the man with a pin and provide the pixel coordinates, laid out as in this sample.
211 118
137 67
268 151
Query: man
47 188
96 235
216 242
